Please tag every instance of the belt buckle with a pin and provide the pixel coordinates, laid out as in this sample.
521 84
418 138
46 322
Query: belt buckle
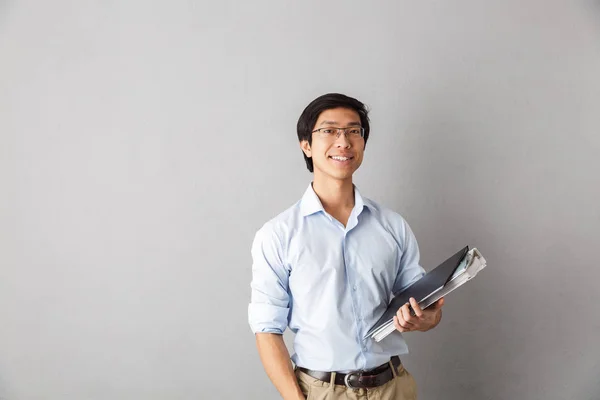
347 380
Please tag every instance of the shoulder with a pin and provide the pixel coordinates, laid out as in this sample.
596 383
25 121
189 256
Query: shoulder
279 226
384 213
388 218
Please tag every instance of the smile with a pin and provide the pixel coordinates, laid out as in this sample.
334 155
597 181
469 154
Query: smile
340 158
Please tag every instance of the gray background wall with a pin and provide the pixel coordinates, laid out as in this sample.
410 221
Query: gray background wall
143 143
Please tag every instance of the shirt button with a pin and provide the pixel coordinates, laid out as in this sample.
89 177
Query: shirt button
354 288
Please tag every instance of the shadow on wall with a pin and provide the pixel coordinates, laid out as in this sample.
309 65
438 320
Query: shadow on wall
486 339
447 152
466 145
592 8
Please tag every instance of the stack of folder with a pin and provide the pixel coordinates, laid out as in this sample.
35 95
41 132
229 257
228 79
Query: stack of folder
437 283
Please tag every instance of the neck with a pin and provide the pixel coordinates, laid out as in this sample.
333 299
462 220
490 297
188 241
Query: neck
334 194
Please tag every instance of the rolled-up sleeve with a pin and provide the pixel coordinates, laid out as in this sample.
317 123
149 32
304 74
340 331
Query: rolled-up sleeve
410 270
269 304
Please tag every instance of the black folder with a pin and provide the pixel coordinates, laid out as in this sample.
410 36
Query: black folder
430 283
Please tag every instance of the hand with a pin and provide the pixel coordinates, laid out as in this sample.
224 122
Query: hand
423 320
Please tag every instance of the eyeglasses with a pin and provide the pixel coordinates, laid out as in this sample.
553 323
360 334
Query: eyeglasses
353 132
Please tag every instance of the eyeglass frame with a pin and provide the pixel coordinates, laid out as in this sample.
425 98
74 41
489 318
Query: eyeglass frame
339 130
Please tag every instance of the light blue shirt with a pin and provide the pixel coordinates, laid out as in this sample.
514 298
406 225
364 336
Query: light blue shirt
330 283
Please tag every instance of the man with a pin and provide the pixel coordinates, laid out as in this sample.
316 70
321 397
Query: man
327 268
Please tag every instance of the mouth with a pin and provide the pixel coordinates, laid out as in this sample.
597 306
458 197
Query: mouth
341 159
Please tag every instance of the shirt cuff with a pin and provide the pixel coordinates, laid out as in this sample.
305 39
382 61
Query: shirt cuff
267 318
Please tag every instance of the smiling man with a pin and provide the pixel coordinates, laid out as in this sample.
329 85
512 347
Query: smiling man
328 266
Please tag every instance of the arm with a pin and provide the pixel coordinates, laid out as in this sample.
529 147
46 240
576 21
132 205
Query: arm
268 311
410 271
276 361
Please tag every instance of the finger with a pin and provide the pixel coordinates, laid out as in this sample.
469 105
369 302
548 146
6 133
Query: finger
439 304
416 308
397 325
409 319
401 318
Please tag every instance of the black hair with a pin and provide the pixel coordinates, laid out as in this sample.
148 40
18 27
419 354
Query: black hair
310 115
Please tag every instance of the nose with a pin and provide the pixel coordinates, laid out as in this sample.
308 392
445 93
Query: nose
342 140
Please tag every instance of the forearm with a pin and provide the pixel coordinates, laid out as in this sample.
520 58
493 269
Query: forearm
276 361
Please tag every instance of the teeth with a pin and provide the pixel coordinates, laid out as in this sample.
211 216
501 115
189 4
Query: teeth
340 158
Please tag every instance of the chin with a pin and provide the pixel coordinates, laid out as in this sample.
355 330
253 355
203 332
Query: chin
337 173
341 175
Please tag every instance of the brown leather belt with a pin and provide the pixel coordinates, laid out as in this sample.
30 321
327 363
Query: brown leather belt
358 379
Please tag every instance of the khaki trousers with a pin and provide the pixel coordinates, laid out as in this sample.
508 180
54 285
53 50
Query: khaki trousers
402 387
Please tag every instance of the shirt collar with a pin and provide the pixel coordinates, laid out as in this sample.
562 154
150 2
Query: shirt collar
311 204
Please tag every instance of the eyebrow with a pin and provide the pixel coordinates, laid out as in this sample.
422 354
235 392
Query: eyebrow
354 123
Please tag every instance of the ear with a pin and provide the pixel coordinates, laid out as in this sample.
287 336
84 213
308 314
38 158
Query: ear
305 146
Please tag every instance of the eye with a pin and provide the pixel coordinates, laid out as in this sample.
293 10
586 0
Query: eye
355 131
327 131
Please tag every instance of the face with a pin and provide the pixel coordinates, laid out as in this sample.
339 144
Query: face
335 157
